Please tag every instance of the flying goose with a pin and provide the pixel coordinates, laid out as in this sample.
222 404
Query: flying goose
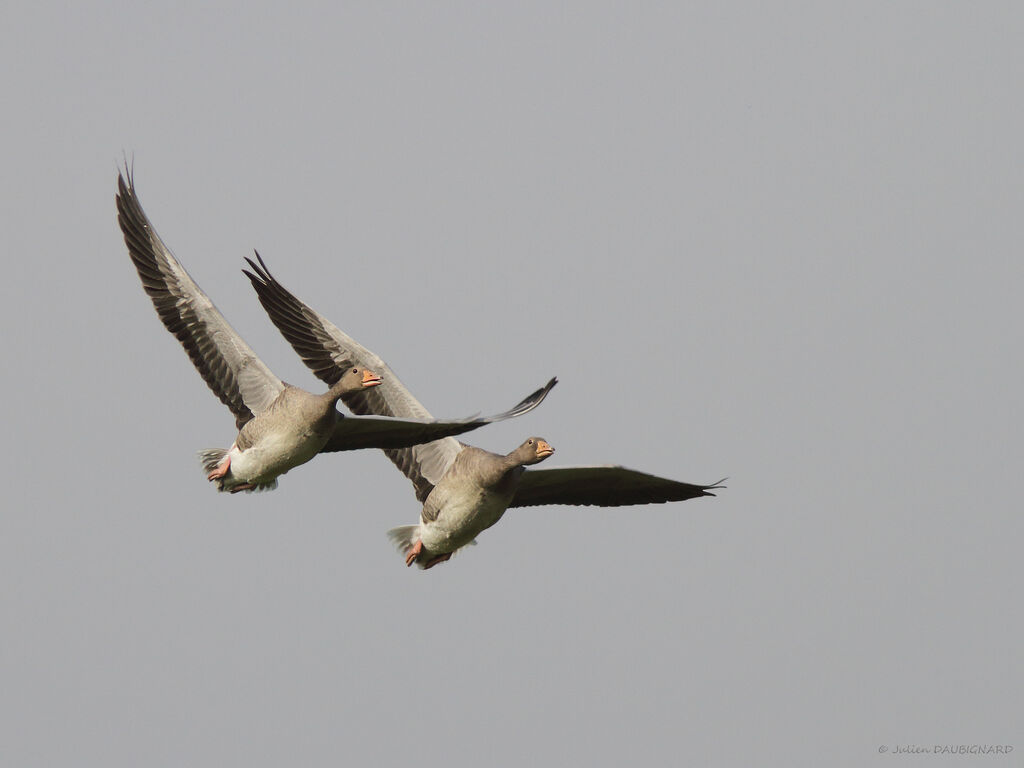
280 426
464 490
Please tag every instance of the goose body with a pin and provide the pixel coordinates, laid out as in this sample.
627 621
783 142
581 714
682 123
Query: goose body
293 429
472 496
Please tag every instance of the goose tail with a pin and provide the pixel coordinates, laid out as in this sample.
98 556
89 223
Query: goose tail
211 458
403 537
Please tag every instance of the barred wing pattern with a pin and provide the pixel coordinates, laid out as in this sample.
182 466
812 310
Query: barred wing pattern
227 364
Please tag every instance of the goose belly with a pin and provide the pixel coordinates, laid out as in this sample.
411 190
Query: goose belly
273 455
461 517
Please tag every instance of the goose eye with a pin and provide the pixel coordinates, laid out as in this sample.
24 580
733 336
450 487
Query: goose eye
529 442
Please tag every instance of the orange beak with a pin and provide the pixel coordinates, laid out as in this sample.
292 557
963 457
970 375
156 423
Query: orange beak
544 449
370 379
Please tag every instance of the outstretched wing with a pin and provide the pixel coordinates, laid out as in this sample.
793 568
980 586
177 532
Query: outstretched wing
227 364
389 432
602 486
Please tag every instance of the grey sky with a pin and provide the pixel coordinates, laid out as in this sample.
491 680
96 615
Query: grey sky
780 244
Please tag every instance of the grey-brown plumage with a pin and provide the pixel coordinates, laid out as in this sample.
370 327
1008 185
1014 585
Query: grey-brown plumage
280 426
479 486
303 411
464 490
292 430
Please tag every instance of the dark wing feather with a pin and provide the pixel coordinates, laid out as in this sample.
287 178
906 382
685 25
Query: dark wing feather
388 432
603 486
227 364
328 351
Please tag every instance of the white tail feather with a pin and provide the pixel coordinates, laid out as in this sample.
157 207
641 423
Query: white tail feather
211 457
403 537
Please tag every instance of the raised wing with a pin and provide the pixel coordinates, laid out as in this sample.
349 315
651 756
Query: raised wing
602 486
328 352
227 364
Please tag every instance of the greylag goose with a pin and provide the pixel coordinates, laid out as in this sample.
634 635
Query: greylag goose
464 490
280 426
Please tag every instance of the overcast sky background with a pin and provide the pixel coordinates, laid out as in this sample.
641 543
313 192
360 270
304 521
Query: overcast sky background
780 244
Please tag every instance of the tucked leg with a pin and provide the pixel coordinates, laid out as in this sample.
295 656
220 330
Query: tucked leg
435 560
413 553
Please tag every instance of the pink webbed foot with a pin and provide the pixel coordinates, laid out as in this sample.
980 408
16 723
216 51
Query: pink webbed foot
221 469
413 553
435 560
